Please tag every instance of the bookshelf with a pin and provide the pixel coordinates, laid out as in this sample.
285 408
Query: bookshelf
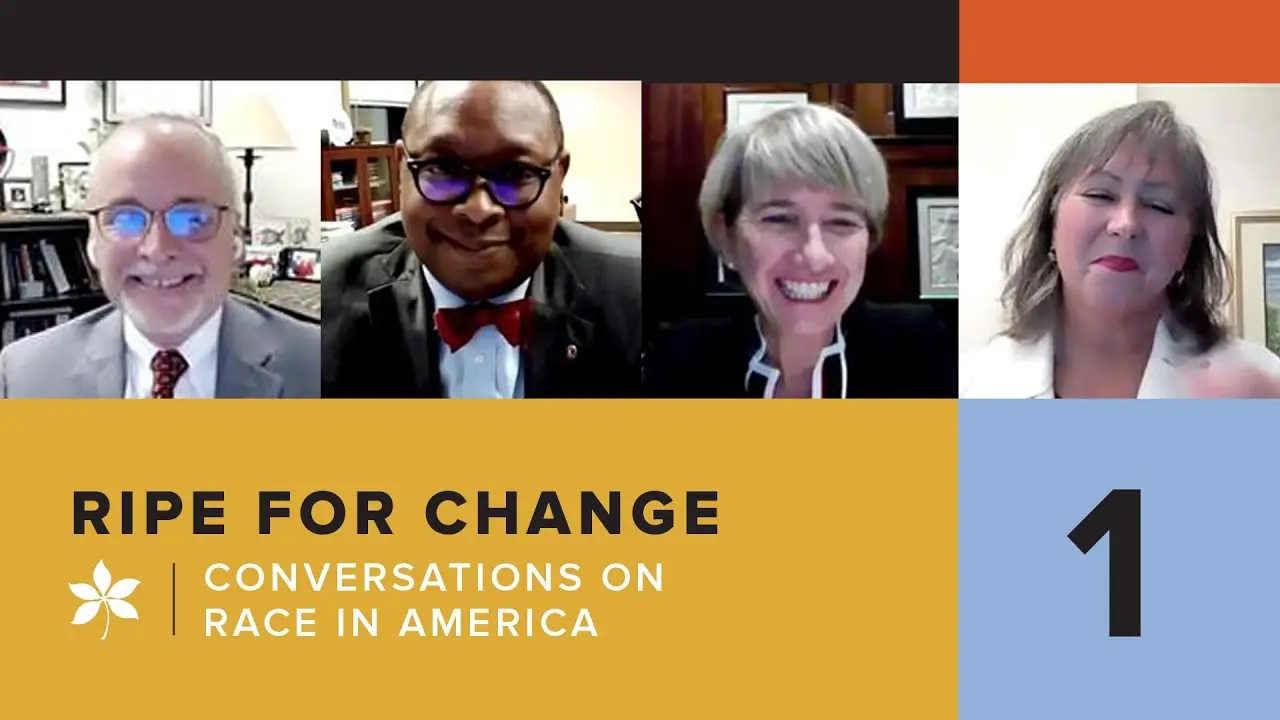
45 276
359 183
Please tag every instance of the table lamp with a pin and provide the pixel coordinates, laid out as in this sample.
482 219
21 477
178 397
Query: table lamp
250 123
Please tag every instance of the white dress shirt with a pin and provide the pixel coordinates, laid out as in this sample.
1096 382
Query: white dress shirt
487 366
200 352
1005 368
830 373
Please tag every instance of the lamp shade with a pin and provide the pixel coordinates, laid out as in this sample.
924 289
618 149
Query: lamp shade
250 121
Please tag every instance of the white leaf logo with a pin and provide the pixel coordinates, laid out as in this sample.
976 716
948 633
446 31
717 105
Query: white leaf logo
102 592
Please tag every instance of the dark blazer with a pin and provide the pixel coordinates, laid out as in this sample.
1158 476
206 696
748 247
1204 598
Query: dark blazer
379 341
892 351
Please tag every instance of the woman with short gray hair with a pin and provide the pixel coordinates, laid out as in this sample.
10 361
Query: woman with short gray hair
1116 276
793 202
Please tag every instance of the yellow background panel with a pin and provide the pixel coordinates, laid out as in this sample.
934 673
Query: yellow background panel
829 590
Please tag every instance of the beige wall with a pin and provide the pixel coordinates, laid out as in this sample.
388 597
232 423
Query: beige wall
602 134
286 183
601 119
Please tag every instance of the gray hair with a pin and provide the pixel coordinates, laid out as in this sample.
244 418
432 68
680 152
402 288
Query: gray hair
1033 289
810 144
225 168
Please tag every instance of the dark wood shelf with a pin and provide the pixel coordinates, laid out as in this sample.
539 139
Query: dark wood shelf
66 234
71 299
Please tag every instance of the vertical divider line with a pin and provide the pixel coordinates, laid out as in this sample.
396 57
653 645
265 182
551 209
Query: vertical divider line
173 598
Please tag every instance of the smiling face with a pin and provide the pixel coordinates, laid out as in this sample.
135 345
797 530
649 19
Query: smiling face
171 278
1123 231
802 254
477 247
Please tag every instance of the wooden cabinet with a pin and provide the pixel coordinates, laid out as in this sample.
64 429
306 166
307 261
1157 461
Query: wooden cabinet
359 183
682 123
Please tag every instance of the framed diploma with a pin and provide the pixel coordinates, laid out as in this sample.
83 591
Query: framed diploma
124 99
926 108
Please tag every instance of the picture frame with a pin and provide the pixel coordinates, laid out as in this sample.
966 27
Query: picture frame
381 93
931 109
1255 309
73 184
743 107
302 264
933 219
48 93
125 99
18 194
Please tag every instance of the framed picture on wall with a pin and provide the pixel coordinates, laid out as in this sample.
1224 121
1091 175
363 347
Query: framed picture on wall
926 108
392 93
933 216
741 108
34 92
73 184
1256 272
124 99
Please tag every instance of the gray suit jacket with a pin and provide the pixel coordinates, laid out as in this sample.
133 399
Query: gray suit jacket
261 354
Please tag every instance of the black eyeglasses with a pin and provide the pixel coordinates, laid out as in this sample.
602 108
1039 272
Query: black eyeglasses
513 185
130 222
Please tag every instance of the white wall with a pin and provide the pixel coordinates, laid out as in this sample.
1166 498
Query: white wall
1240 132
1007 133
286 183
603 136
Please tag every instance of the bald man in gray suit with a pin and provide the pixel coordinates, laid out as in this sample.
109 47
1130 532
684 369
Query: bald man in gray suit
162 237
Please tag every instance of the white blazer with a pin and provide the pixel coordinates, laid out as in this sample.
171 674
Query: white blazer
1005 368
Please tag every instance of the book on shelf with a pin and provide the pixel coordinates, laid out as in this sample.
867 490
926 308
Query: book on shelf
40 268
21 323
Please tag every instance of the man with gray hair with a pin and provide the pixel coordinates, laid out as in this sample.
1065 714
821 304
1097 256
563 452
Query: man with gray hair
163 241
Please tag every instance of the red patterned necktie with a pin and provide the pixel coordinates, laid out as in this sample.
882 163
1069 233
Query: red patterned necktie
458 325
166 367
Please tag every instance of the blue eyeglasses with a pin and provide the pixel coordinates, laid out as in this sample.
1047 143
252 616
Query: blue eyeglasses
445 181
129 222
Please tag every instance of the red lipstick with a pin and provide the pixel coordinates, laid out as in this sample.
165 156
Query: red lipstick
1117 263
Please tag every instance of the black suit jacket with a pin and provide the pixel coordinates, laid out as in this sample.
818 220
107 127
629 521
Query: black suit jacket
379 340
892 351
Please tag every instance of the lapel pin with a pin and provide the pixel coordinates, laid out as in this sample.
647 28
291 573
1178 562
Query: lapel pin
571 352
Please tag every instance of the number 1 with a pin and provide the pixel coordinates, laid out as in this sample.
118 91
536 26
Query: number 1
1120 514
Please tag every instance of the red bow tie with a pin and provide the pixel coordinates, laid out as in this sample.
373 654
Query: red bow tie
458 325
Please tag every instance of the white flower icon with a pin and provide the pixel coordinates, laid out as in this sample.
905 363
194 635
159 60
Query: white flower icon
113 596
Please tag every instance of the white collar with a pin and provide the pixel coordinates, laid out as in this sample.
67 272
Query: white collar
758 366
198 346
1028 371
446 298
